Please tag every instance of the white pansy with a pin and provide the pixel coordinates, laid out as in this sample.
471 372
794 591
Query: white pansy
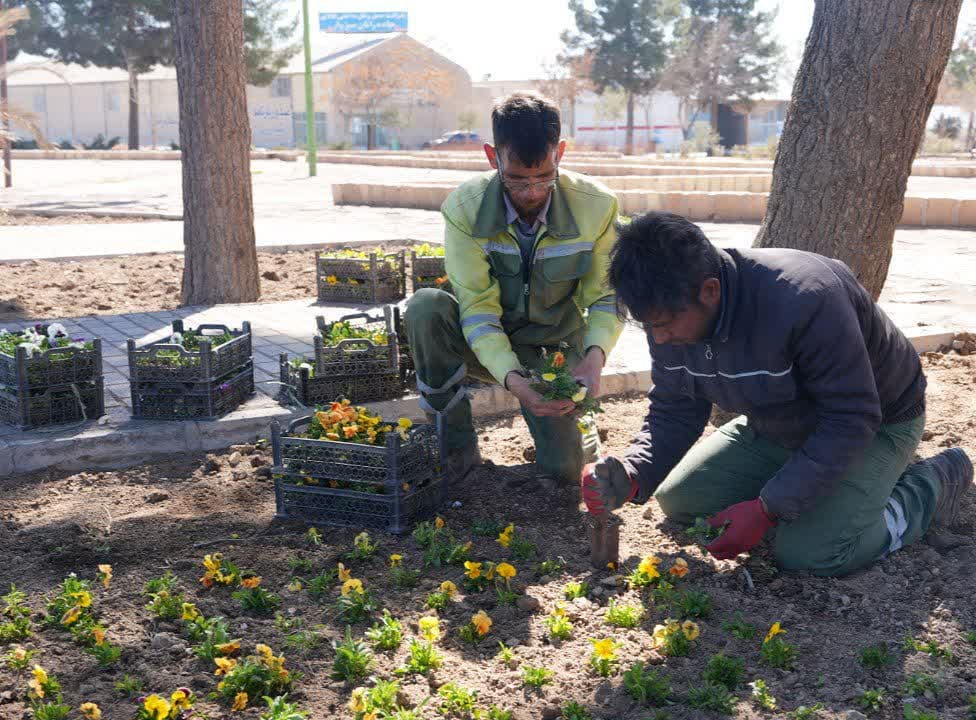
176 338
55 329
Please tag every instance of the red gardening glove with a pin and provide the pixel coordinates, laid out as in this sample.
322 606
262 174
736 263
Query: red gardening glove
606 485
748 522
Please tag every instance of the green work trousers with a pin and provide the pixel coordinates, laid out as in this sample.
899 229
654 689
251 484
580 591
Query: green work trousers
879 505
443 359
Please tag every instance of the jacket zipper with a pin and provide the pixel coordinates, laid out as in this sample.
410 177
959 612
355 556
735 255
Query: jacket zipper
527 272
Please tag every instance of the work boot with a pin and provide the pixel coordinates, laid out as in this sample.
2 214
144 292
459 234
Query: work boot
955 473
462 460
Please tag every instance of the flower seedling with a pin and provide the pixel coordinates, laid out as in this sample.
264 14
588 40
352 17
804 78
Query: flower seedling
475 630
352 658
646 573
456 700
321 583
603 659
716 698
702 533
574 711
423 656
254 677
15 617
646 685
387 634
724 670
44 696
313 537
255 598
280 709
910 712
363 547
872 700
739 628
805 712
439 599
554 381
506 655
673 638
776 652
762 696
475 578
536 677
355 602
503 585
558 625
549 567
693 604
219 571
935 651
624 616
922 685
875 657
575 590
300 565
485 527
19 657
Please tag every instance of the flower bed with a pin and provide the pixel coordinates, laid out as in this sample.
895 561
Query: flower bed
346 467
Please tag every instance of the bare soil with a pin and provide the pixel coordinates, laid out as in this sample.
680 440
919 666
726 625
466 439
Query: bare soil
166 515
37 289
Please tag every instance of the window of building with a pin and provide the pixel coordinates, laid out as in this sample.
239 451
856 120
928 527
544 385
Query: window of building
301 129
281 87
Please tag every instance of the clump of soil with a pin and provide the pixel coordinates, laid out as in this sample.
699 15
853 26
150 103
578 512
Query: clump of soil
166 515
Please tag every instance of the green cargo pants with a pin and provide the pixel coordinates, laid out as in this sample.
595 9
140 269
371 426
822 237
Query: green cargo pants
881 504
443 358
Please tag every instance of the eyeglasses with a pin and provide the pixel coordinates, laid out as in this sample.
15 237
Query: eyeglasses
518 186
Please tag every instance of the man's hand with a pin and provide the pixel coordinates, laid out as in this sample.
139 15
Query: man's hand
747 523
606 485
532 401
590 369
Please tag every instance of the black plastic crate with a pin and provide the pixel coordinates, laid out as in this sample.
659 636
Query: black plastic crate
54 405
426 270
164 361
309 388
380 278
361 486
205 400
358 356
56 366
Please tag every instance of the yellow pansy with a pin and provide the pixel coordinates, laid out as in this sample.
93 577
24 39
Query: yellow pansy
603 649
430 628
679 568
395 560
212 562
448 588
357 701
264 651
344 574
472 569
106 572
559 610
228 648
405 423
579 394
190 611
481 622
774 631
506 571
240 702
332 280
251 582
156 707
690 629
71 616
98 633
648 566
548 377
439 523
90 711
39 680
224 665
352 585
82 598
180 700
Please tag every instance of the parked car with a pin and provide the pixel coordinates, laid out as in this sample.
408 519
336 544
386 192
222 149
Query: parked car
456 140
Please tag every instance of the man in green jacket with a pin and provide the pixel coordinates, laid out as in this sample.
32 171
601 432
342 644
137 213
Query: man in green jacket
527 249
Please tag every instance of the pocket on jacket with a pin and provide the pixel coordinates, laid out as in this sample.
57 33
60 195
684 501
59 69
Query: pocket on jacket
561 274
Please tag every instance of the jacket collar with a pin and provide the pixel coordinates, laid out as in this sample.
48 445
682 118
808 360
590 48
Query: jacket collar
491 218
730 294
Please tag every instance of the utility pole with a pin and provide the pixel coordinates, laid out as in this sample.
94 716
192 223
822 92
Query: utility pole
8 178
309 99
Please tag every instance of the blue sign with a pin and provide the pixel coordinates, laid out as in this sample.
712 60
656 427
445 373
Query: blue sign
363 22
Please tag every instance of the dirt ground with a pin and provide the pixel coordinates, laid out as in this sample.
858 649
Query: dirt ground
37 289
166 515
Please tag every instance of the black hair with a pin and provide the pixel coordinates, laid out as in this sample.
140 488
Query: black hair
659 263
528 125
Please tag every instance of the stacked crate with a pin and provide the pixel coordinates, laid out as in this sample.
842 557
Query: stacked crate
428 271
357 369
169 382
51 387
379 278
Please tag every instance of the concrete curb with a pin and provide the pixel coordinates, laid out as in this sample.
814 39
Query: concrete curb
135 215
130 155
137 441
728 198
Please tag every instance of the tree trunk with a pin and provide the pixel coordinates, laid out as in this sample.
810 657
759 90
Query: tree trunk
869 76
218 214
970 131
629 139
133 107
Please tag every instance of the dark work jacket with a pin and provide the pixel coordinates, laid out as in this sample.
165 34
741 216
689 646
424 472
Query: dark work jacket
801 350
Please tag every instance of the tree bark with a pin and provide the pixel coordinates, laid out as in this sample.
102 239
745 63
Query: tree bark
869 76
629 139
133 107
218 214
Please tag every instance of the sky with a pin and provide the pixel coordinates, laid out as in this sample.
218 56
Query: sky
514 39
